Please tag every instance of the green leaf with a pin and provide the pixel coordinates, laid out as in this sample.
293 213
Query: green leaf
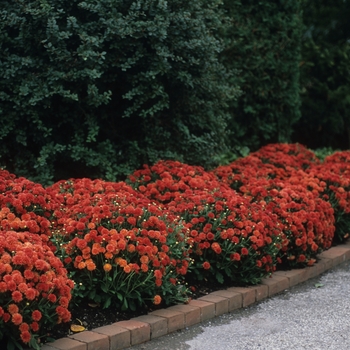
120 297
219 277
107 303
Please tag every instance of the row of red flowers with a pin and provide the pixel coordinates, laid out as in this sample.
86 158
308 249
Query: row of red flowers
169 225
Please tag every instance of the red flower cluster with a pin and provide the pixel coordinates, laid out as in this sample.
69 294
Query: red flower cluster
274 161
307 221
336 179
287 156
273 176
224 230
29 205
140 242
34 288
118 243
169 180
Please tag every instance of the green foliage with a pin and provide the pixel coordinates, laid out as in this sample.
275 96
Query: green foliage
98 87
322 153
325 76
263 43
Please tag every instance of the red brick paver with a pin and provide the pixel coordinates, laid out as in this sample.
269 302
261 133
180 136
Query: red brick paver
276 284
234 298
140 331
192 313
93 340
159 325
175 319
207 309
65 344
119 338
248 294
221 303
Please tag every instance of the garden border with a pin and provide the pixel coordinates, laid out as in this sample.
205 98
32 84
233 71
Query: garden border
124 334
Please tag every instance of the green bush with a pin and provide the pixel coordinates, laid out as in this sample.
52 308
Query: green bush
263 43
325 76
96 88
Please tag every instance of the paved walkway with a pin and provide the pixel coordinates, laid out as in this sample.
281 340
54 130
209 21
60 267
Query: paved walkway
314 315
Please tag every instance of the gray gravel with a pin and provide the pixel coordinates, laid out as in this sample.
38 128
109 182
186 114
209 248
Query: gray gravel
314 315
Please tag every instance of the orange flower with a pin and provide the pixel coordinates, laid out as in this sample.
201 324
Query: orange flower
81 265
311 262
17 319
157 299
90 265
107 267
95 249
111 248
216 247
108 255
127 269
144 267
144 259
91 225
12 309
121 262
131 248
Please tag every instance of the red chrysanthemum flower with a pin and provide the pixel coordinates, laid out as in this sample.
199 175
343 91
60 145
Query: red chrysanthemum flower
17 296
36 315
17 319
25 336
206 265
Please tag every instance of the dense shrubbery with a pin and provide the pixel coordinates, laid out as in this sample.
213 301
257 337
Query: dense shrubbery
263 44
145 243
325 76
77 76
228 240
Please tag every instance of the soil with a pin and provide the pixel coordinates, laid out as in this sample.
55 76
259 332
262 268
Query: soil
94 317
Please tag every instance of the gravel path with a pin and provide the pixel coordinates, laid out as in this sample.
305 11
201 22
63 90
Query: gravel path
314 315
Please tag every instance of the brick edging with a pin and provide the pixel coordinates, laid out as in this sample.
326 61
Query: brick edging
123 334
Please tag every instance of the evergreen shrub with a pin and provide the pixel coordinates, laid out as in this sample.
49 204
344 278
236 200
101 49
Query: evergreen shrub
96 88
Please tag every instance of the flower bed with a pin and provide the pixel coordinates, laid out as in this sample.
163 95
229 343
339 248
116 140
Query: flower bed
231 239
145 242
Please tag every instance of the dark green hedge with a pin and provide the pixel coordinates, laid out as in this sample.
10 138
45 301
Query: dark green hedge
263 43
96 88
325 75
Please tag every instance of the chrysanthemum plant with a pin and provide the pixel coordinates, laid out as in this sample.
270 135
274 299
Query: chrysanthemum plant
119 249
230 241
335 174
306 220
34 288
274 176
